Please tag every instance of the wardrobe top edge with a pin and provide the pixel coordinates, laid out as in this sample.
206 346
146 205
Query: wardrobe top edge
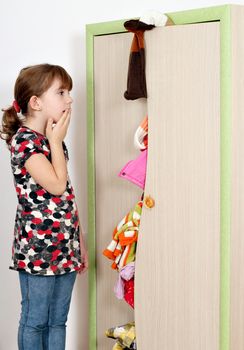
220 8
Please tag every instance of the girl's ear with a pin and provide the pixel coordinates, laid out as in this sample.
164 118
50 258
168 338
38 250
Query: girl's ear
35 103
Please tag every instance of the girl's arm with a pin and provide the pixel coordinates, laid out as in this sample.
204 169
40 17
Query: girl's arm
52 176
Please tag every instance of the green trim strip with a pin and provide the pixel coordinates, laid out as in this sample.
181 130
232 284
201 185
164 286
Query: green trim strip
91 193
225 181
225 176
91 31
216 13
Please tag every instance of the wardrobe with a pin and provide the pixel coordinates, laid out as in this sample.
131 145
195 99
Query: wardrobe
189 278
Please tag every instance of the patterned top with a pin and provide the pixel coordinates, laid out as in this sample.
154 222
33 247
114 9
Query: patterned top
46 232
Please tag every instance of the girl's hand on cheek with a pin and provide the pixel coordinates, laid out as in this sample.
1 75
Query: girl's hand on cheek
58 132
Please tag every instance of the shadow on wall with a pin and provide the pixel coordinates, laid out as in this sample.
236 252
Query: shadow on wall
10 291
79 322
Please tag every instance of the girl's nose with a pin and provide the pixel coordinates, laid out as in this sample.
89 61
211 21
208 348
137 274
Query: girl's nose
70 99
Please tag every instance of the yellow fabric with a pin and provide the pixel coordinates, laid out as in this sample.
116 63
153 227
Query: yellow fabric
125 335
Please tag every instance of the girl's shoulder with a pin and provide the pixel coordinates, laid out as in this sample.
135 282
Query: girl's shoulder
24 134
26 142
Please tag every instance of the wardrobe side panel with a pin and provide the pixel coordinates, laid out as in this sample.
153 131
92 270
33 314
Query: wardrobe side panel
116 120
178 252
237 217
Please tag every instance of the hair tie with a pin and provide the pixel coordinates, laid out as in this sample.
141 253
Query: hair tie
16 106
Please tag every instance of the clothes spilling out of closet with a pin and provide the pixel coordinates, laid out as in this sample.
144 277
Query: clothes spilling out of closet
122 249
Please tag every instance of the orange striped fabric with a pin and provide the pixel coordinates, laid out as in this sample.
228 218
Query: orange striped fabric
122 248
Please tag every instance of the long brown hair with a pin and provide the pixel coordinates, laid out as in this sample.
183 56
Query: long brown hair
32 81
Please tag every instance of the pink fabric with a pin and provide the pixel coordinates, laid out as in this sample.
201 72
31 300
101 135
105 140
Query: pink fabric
135 170
119 288
126 273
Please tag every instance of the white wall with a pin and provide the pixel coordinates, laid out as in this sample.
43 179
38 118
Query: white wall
53 31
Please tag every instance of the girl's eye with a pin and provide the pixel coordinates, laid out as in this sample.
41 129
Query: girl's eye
61 92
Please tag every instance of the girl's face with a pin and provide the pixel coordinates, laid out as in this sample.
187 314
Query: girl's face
55 101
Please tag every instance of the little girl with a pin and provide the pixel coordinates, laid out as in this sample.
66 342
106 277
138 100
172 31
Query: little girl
48 247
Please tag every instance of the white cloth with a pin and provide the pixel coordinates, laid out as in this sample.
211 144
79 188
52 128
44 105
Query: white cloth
154 17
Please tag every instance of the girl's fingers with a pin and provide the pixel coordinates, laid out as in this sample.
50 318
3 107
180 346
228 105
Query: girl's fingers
63 117
67 120
60 129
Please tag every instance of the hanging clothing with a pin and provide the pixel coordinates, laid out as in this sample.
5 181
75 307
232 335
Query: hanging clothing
125 274
124 287
129 292
141 135
122 248
136 79
135 170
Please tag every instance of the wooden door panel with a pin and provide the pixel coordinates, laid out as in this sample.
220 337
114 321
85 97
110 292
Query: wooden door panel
177 266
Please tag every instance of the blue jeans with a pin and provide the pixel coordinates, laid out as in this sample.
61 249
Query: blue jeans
45 306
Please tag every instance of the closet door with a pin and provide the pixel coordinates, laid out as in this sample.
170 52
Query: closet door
177 265
116 120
